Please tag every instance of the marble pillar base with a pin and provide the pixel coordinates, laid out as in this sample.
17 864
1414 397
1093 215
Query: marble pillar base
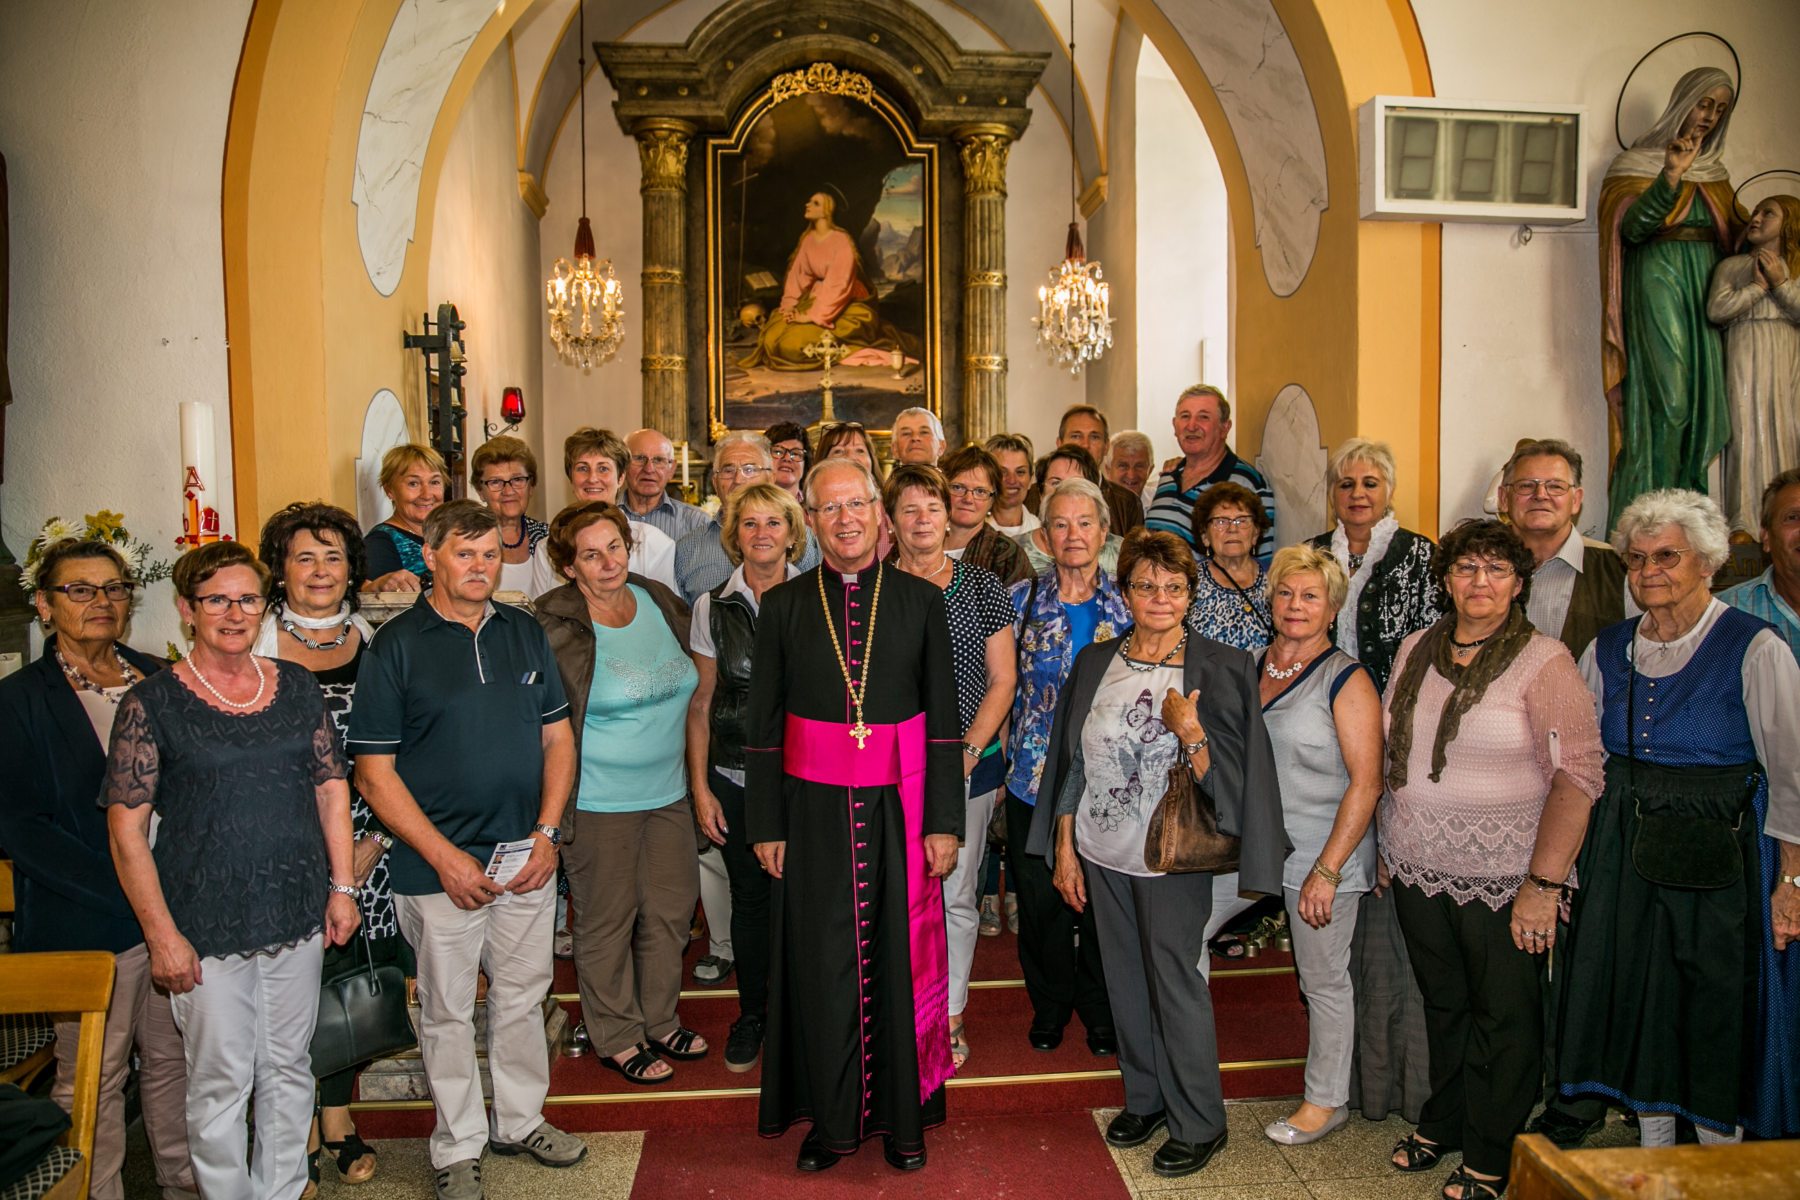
402 1077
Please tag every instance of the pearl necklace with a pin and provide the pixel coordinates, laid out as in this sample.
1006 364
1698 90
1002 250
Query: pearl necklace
262 681
83 683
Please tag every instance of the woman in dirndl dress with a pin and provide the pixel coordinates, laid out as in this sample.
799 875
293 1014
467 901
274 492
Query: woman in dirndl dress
1675 1001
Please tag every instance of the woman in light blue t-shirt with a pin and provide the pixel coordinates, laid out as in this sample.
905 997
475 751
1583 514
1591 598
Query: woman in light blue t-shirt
620 644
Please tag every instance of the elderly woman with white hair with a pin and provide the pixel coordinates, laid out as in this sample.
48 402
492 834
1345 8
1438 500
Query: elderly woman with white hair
1073 604
1680 987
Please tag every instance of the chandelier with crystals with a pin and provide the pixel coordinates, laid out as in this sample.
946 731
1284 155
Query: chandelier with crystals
1074 320
586 304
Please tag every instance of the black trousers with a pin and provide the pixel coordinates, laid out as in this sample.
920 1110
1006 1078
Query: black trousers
749 900
1059 948
1484 1021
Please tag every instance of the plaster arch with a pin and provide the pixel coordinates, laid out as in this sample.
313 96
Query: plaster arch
311 339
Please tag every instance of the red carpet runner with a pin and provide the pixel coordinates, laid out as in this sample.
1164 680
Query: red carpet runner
1015 1094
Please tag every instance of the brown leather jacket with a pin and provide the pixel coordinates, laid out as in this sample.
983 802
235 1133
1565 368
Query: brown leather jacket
563 613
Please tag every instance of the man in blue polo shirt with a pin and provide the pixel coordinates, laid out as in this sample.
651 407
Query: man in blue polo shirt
1202 422
461 736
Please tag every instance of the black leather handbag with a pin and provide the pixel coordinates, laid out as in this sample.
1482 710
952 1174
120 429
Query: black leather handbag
362 1016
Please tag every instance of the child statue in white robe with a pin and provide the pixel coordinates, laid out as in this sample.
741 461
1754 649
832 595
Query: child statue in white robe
1756 297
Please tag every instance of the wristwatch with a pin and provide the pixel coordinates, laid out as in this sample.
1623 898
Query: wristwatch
972 750
552 832
1189 749
1791 880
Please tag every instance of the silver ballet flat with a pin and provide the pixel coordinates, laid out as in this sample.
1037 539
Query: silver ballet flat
1287 1135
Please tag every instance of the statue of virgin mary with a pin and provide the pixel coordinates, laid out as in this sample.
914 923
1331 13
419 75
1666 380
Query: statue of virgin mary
1667 216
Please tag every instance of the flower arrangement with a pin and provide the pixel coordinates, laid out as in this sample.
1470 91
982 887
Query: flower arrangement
104 526
711 506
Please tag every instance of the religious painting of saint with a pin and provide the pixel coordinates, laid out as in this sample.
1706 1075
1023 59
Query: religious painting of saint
822 220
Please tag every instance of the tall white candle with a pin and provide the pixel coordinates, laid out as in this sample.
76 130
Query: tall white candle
684 464
197 452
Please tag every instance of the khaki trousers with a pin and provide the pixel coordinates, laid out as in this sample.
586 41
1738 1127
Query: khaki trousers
509 939
138 1015
633 880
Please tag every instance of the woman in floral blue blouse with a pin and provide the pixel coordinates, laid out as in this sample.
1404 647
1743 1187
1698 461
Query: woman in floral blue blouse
1231 591
1068 607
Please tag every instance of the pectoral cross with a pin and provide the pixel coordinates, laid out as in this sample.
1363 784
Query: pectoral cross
861 733
829 350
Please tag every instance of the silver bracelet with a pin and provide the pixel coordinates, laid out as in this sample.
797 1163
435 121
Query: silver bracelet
344 889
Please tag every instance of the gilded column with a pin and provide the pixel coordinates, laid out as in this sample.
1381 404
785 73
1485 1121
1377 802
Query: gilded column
984 149
662 153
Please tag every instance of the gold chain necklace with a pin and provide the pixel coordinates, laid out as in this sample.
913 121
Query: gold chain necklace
858 687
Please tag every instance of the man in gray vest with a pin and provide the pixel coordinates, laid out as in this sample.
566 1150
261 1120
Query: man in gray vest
1577 589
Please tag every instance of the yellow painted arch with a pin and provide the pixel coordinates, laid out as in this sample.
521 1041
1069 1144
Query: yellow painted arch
311 340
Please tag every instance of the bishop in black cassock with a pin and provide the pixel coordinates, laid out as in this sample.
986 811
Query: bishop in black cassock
857 811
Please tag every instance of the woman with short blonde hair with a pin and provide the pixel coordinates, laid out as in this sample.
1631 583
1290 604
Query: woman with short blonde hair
414 478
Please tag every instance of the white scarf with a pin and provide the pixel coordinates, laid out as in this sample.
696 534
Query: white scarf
269 634
1379 537
1645 158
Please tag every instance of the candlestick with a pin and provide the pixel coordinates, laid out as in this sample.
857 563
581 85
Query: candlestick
684 466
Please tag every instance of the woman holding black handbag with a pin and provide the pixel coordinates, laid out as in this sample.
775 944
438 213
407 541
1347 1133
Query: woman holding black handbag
1677 1000
1139 714
317 565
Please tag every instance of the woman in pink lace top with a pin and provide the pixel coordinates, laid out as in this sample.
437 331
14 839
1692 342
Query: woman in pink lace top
1494 761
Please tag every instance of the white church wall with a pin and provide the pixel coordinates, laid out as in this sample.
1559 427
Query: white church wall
1521 321
112 120
1183 303
609 396
484 259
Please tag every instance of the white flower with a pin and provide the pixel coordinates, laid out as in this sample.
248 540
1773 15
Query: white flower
711 505
56 529
28 576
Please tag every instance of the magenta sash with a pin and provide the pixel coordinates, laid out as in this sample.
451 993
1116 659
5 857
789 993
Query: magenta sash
824 752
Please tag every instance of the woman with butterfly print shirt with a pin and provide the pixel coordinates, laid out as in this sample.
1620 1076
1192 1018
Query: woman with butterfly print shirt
1133 709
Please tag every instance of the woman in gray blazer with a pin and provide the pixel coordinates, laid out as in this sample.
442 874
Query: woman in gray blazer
1134 708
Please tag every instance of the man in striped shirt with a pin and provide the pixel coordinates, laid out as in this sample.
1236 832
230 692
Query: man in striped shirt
1202 422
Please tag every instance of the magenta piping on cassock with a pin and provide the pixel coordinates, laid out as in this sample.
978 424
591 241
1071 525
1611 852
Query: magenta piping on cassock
824 752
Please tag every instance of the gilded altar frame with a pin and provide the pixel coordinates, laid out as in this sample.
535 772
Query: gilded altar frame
820 78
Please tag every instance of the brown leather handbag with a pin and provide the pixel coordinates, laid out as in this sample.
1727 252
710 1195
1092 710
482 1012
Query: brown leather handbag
1184 836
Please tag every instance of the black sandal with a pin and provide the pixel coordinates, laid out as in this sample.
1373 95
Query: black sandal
351 1151
1421 1155
1473 1188
1228 946
678 1044
636 1069
312 1173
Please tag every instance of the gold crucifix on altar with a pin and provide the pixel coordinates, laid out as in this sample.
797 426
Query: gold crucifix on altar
827 350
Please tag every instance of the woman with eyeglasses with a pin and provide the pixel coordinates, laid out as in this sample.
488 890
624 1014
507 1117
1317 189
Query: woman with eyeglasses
1680 981
1137 709
974 485
1493 761
252 873
1231 591
792 455
56 719
505 473
414 478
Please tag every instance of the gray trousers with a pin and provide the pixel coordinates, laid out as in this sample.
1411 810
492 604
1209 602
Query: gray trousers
1152 936
1322 960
